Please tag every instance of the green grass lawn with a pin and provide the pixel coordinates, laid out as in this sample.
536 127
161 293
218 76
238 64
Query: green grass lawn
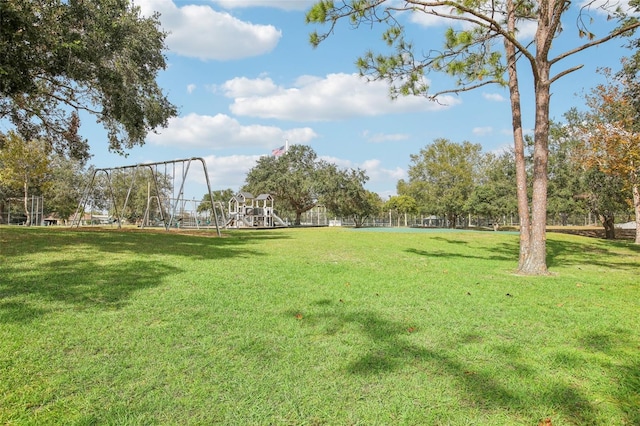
315 327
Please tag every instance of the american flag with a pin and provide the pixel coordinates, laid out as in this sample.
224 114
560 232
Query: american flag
278 151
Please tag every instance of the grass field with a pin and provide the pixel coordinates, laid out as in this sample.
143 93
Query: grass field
315 327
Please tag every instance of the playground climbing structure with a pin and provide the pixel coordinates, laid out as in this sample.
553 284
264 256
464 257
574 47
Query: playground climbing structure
247 211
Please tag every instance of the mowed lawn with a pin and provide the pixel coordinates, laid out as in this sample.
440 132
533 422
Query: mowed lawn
320 326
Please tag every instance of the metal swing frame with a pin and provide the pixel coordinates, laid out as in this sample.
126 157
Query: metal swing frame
160 198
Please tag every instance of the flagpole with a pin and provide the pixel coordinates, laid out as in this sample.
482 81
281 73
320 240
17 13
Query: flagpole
286 145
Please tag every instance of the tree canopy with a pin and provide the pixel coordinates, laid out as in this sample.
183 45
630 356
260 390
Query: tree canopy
402 205
24 167
219 196
442 177
609 136
299 180
59 58
293 178
68 178
493 194
344 195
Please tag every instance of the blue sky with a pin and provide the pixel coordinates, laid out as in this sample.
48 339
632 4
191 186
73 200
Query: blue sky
246 79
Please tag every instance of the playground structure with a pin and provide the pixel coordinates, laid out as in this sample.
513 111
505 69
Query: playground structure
165 202
247 211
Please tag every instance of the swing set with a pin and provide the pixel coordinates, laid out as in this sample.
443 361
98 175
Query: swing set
161 204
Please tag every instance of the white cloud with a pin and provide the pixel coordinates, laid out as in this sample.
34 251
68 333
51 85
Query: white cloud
242 87
200 31
377 173
373 168
221 131
526 29
334 97
482 131
224 172
507 147
495 97
384 137
430 20
278 4
191 88
229 172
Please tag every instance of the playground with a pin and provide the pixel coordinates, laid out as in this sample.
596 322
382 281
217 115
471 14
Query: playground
115 193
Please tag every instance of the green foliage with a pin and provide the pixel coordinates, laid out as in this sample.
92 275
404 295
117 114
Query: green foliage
219 196
319 12
494 195
298 181
138 188
294 179
67 179
442 177
630 74
565 173
605 197
24 164
401 204
58 57
608 144
343 194
24 167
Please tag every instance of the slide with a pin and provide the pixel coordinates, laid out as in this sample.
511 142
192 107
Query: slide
279 221
231 220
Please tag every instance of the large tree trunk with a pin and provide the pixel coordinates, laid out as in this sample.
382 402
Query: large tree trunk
608 223
536 261
27 210
636 208
518 139
451 218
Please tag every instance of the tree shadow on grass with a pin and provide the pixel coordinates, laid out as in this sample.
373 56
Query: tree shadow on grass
81 285
592 252
497 253
390 349
198 245
559 252
19 312
613 343
450 240
628 393
90 269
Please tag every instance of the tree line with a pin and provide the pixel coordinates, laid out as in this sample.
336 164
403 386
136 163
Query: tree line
594 159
